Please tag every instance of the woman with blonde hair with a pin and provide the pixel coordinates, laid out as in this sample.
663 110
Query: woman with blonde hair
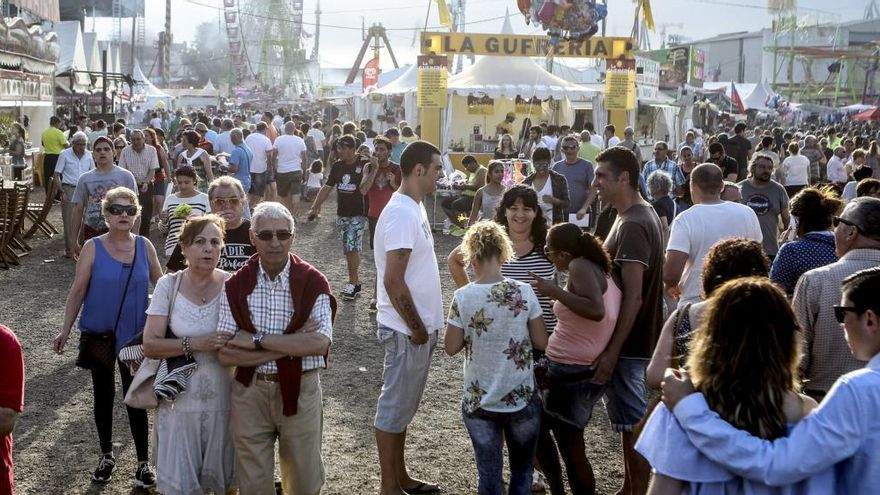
744 359
497 321
506 149
194 450
111 285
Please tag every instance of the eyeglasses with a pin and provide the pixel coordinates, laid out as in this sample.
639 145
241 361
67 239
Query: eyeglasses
267 235
117 210
841 311
837 221
570 147
224 202
120 146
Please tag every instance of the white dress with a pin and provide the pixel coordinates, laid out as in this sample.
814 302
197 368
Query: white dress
194 450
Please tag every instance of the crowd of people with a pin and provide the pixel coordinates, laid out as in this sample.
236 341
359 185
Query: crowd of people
720 270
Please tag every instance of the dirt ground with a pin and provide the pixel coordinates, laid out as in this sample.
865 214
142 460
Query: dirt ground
56 444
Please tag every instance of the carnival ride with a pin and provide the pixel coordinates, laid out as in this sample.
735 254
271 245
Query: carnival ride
266 45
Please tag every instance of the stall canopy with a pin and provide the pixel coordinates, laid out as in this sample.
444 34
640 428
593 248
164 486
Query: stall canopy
72 58
510 77
146 94
407 81
754 96
870 114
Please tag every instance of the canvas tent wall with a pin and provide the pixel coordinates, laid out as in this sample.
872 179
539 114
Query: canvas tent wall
72 58
146 94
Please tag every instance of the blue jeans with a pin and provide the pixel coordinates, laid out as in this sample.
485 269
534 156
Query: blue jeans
520 430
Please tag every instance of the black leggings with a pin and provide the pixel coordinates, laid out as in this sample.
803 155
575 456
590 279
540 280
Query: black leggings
104 386
570 441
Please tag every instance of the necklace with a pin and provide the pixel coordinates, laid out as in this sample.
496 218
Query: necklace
201 293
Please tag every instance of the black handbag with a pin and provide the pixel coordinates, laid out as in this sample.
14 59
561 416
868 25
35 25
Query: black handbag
98 350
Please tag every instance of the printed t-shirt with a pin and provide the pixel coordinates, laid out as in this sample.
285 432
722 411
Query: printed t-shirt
498 373
635 237
93 186
381 192
403 224
237 249
11 397
768 202
346 179
200 206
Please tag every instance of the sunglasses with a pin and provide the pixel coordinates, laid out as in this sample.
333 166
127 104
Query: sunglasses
120 147
841 311
224 202
837 221
571 147
117 210
267 235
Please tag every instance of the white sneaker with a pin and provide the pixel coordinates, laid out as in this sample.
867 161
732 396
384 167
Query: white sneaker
447 227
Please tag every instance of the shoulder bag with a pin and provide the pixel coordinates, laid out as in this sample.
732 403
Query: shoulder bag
141 393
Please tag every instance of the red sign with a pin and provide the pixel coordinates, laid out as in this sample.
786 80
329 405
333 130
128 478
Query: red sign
371 73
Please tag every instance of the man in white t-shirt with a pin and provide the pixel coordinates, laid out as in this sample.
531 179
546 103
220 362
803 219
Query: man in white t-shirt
290 151
610 139
698 228
410 311
262 162
318 137
156 122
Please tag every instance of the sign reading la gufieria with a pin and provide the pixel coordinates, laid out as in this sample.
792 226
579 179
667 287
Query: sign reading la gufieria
523 45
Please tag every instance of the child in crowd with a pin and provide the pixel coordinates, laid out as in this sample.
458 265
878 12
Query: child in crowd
488 196
314 180
844 432
497 321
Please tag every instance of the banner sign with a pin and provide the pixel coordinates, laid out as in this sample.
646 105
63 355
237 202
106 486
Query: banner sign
371 73
480 105
620 85
526 107
524 45
431 78
647 78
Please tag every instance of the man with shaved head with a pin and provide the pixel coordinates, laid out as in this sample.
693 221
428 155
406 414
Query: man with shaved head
290 151
698 228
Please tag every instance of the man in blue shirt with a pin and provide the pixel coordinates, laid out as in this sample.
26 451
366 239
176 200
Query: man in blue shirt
397 146
843 432
240 159
662 162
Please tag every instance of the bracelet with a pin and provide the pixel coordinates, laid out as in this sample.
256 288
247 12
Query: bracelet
187 348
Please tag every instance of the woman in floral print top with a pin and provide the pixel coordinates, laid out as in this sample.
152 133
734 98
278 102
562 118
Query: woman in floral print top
497 321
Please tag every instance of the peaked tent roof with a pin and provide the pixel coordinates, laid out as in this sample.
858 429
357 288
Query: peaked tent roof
209 86
513 76
407 81
73 56
149 88
754 95
93 55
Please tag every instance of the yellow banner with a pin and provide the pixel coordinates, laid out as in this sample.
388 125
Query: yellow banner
524 106
480 105
620 85
524 45
431 80
445 17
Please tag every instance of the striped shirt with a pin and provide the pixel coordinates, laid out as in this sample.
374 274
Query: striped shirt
139 164
200 206
271 311
535 262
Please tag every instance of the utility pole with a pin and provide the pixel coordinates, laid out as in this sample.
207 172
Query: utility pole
166 48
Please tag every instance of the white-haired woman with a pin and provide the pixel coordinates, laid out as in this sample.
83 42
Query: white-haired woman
194 452
111 284
659 186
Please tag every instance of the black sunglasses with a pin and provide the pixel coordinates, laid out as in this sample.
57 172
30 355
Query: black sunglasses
267 235
841 311
837 221
116 210
570 147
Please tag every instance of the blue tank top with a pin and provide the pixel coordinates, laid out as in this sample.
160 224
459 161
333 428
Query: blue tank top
105 294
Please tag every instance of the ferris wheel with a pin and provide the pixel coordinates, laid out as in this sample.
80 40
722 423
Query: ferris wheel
266 44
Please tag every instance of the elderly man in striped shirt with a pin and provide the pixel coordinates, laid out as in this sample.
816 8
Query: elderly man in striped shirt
281 311
142 161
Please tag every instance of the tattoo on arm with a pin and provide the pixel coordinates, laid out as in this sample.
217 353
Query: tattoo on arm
407 309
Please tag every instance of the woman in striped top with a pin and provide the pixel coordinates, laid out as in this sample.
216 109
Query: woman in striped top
518 212
187 180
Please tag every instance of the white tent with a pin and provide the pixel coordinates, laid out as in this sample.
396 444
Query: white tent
146 94
407 81
755 96
72 57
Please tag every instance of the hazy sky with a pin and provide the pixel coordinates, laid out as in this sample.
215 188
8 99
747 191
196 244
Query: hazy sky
341 19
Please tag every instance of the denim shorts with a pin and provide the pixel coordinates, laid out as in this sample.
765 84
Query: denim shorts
351 232
570 397
258 184
626 395
404 375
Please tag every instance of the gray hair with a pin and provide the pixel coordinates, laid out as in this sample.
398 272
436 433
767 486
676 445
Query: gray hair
136 132
290 127
271 210
79 136
865 212
659 184
585 135
225 181
236 132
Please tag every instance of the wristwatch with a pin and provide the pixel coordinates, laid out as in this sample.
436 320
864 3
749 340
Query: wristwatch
258 340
